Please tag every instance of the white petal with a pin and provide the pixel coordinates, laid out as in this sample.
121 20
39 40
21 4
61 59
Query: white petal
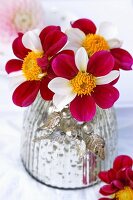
81 59
60 86
107 78
15 79
32 41
75 35
114 43
72 46
61 101
108 30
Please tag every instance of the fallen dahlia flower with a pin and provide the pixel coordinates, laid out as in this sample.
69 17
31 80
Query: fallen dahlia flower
119 180
19 16
32 72
85 34
83 83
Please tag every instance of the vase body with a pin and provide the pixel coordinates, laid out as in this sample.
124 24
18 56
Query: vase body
56 162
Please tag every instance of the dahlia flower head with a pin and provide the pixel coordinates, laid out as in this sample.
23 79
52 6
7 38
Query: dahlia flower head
61 68
119 180
19 16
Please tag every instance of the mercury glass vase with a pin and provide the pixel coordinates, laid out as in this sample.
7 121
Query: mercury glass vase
56 162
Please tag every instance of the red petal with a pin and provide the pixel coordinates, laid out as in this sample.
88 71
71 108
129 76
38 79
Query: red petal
100 63
108 190
85 25
51 73
13 65
118 184
46 31
54 42
43 63
129 175
18 48
25 94
64 64
123 58
107 176
83 108
121 176
122 161
46 93
105 95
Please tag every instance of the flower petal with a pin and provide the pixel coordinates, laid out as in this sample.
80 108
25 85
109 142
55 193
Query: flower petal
108 30
15 79
85 25
45 92
118 184
46 31
72 46
54 42
25 94
83 108
61 101
114 43
81 59
108 190
60 86
107 78
129 175
107 176
64 65
100 63
105 96
122 161
18 48
75 36
32 41
13 65
121 176
43 62
122 58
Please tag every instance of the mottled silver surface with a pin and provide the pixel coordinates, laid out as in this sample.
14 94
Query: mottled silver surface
58 161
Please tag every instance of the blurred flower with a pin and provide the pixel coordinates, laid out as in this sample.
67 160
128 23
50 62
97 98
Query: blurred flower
32 72
119 180
85 34
19 16
83 83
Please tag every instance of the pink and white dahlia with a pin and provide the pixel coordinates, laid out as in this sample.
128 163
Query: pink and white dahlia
32 72
85 34
20 16
83 83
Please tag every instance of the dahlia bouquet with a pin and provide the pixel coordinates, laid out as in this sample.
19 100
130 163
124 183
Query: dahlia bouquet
77 68
69 79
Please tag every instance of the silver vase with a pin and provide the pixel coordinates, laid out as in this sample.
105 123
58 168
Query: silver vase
56 161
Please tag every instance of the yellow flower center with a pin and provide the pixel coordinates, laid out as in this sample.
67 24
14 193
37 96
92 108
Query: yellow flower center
125 194
83 83
30 67
93 43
